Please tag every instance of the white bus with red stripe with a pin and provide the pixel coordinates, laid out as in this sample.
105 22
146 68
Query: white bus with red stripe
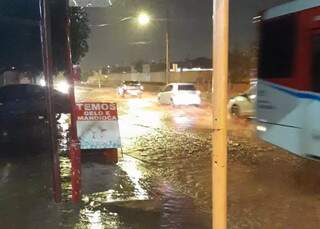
288 101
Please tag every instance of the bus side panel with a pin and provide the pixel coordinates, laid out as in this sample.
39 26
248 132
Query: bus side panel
289 118
278 116
279 105
311 131
288 107
284 137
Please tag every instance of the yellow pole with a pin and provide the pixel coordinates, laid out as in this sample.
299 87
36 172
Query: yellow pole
219 135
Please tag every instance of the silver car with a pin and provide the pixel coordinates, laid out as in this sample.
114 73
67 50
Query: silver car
243 105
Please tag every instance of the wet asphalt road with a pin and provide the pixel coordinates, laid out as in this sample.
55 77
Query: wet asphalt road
163 179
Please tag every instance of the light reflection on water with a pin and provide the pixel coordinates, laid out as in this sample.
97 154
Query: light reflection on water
94 219
63 131
124 188
130 166
138 121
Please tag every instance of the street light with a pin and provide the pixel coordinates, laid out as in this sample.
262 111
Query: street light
143 19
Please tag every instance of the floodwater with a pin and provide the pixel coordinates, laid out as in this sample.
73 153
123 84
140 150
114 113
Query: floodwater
163 178
114 196
126 195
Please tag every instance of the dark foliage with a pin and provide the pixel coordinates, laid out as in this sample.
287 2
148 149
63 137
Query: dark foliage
20 42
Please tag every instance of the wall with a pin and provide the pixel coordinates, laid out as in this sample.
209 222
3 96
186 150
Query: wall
202 79
156 77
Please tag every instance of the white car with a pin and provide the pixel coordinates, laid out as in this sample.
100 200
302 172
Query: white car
243 105
180 94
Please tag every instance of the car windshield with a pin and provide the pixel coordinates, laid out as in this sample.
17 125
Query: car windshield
187 87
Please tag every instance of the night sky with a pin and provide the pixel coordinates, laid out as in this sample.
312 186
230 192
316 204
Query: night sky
125 42
189 28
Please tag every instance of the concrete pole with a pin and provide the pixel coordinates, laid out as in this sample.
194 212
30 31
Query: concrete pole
167 58
74 148
99 79
219 136
167 42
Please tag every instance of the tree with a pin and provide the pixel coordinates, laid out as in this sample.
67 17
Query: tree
20 43
241 62
157 67
202 62
138 66
79 33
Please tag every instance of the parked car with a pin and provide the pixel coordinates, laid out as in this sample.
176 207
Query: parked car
243 105
23 112
22 99
133 88
180 94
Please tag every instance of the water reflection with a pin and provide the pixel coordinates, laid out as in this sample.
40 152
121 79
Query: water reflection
139 124
94 219
130 166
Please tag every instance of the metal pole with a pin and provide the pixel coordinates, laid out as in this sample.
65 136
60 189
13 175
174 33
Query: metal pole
167 43
74 150
167 58
47 69
219 136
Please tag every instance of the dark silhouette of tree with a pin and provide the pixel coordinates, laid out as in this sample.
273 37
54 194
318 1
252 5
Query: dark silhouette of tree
202 62
241 63
20 34
79 33
157 67
138 66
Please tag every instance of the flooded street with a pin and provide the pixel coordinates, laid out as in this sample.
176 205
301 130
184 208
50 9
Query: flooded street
163 178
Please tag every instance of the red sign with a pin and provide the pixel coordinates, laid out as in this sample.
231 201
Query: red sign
97 112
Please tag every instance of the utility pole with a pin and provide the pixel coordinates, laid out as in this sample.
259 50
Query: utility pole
167 43
99 78
74 148
45 34
167 57
219 135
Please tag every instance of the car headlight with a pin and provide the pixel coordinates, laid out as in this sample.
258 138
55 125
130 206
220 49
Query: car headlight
232 100
63 87
42 83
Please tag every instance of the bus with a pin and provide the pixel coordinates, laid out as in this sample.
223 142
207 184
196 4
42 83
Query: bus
288 92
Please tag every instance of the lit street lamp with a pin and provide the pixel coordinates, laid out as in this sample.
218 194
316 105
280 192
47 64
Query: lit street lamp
143 19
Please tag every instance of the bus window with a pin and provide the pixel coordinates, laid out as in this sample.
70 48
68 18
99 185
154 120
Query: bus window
277 51
315 74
